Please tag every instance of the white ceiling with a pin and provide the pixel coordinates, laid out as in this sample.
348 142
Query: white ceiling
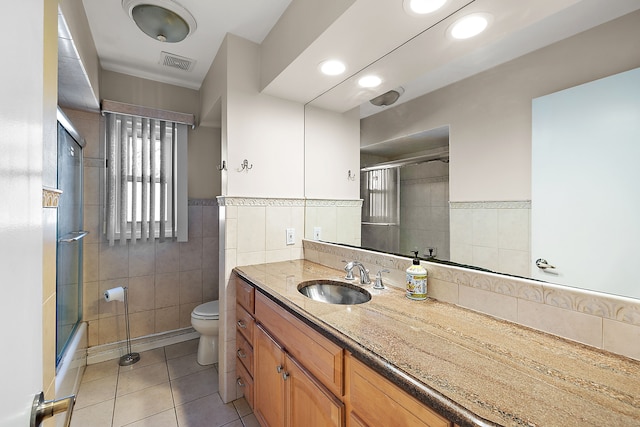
366 36
122 47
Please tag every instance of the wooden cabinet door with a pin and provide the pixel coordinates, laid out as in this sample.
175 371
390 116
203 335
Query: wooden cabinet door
268 389
308 403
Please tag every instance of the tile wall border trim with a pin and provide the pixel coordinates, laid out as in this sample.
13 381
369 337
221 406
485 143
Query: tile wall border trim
202 202
50 197
333 202
417 181
258 201
505 204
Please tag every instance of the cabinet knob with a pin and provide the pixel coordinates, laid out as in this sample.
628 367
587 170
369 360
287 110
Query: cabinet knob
285 375
241 324
240 382
279 368
241 354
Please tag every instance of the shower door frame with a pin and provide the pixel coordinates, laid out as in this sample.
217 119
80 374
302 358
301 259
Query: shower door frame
66 124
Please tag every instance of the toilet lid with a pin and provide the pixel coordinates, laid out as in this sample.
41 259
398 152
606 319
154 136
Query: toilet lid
208 310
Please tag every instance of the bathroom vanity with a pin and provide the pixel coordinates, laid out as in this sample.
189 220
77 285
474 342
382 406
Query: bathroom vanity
393 361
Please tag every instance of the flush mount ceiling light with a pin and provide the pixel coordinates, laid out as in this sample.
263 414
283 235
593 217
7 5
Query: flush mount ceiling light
469 26
332 67
370 81
387 98
162 20
422 7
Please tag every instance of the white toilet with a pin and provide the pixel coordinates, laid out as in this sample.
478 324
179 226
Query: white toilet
204 319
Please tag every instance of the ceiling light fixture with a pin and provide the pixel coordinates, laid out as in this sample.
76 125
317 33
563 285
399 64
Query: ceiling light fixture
332 67
422 7
162 20
370 81
469 26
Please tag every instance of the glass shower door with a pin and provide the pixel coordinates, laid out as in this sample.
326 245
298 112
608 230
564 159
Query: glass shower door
70 234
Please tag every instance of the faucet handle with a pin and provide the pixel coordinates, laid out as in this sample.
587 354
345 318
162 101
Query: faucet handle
378 284
349 269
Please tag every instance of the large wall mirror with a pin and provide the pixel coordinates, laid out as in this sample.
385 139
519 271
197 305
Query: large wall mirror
465 111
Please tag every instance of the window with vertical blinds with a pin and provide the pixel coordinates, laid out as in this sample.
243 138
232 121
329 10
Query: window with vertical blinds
381 196
146 197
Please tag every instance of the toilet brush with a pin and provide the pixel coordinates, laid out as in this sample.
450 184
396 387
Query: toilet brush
121 294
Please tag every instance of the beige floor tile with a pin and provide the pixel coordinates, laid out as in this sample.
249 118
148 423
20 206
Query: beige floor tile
97 391
184 365
98 415
250 421
163 419
207 411
194 386
100 370
236 423
181 349
141 378
242 407
146 358
142 404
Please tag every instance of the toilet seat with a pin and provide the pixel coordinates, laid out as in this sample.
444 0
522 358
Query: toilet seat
207 311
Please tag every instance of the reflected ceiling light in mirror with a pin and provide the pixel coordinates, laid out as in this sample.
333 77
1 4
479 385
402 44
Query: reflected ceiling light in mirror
370 81
162 20
469 26
332 67
422 7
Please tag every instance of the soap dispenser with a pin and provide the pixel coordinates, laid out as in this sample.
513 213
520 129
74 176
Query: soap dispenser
416 280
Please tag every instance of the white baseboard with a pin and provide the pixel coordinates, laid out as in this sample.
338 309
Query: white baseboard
101 353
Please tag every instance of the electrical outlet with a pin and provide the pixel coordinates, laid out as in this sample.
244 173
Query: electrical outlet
291 236
430 252
317 232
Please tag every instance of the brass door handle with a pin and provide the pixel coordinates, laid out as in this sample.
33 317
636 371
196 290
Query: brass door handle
43 409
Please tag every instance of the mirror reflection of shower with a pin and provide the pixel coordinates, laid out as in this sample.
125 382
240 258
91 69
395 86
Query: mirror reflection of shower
404 185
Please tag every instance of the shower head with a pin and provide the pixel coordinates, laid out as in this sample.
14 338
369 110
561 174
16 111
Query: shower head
387 98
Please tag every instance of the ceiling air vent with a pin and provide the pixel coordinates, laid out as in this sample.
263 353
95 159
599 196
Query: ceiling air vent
174 61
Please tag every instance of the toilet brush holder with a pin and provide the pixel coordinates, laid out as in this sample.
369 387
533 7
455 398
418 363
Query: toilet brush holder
121 294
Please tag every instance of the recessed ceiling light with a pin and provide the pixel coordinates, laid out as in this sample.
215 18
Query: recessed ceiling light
370 81
469 26
332 67
422 7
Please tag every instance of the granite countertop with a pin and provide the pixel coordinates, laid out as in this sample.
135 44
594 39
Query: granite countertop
474 369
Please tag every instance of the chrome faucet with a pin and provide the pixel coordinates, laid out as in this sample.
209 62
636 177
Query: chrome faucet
364 273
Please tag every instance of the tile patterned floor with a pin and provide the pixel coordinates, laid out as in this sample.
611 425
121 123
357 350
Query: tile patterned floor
166 388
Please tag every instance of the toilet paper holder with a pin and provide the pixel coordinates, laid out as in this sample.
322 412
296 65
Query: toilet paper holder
121 294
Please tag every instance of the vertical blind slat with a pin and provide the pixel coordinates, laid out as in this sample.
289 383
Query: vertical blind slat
135 172
163 178
112 140
144 223
152 186
124 145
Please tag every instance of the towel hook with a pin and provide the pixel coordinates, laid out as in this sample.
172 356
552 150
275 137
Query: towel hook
351 177
245 166
223 167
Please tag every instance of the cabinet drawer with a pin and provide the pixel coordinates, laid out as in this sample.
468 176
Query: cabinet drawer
245 382
321 357
244 352
245 294
244 323
379 402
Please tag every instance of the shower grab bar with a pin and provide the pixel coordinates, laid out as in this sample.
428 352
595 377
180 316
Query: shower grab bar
75 236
